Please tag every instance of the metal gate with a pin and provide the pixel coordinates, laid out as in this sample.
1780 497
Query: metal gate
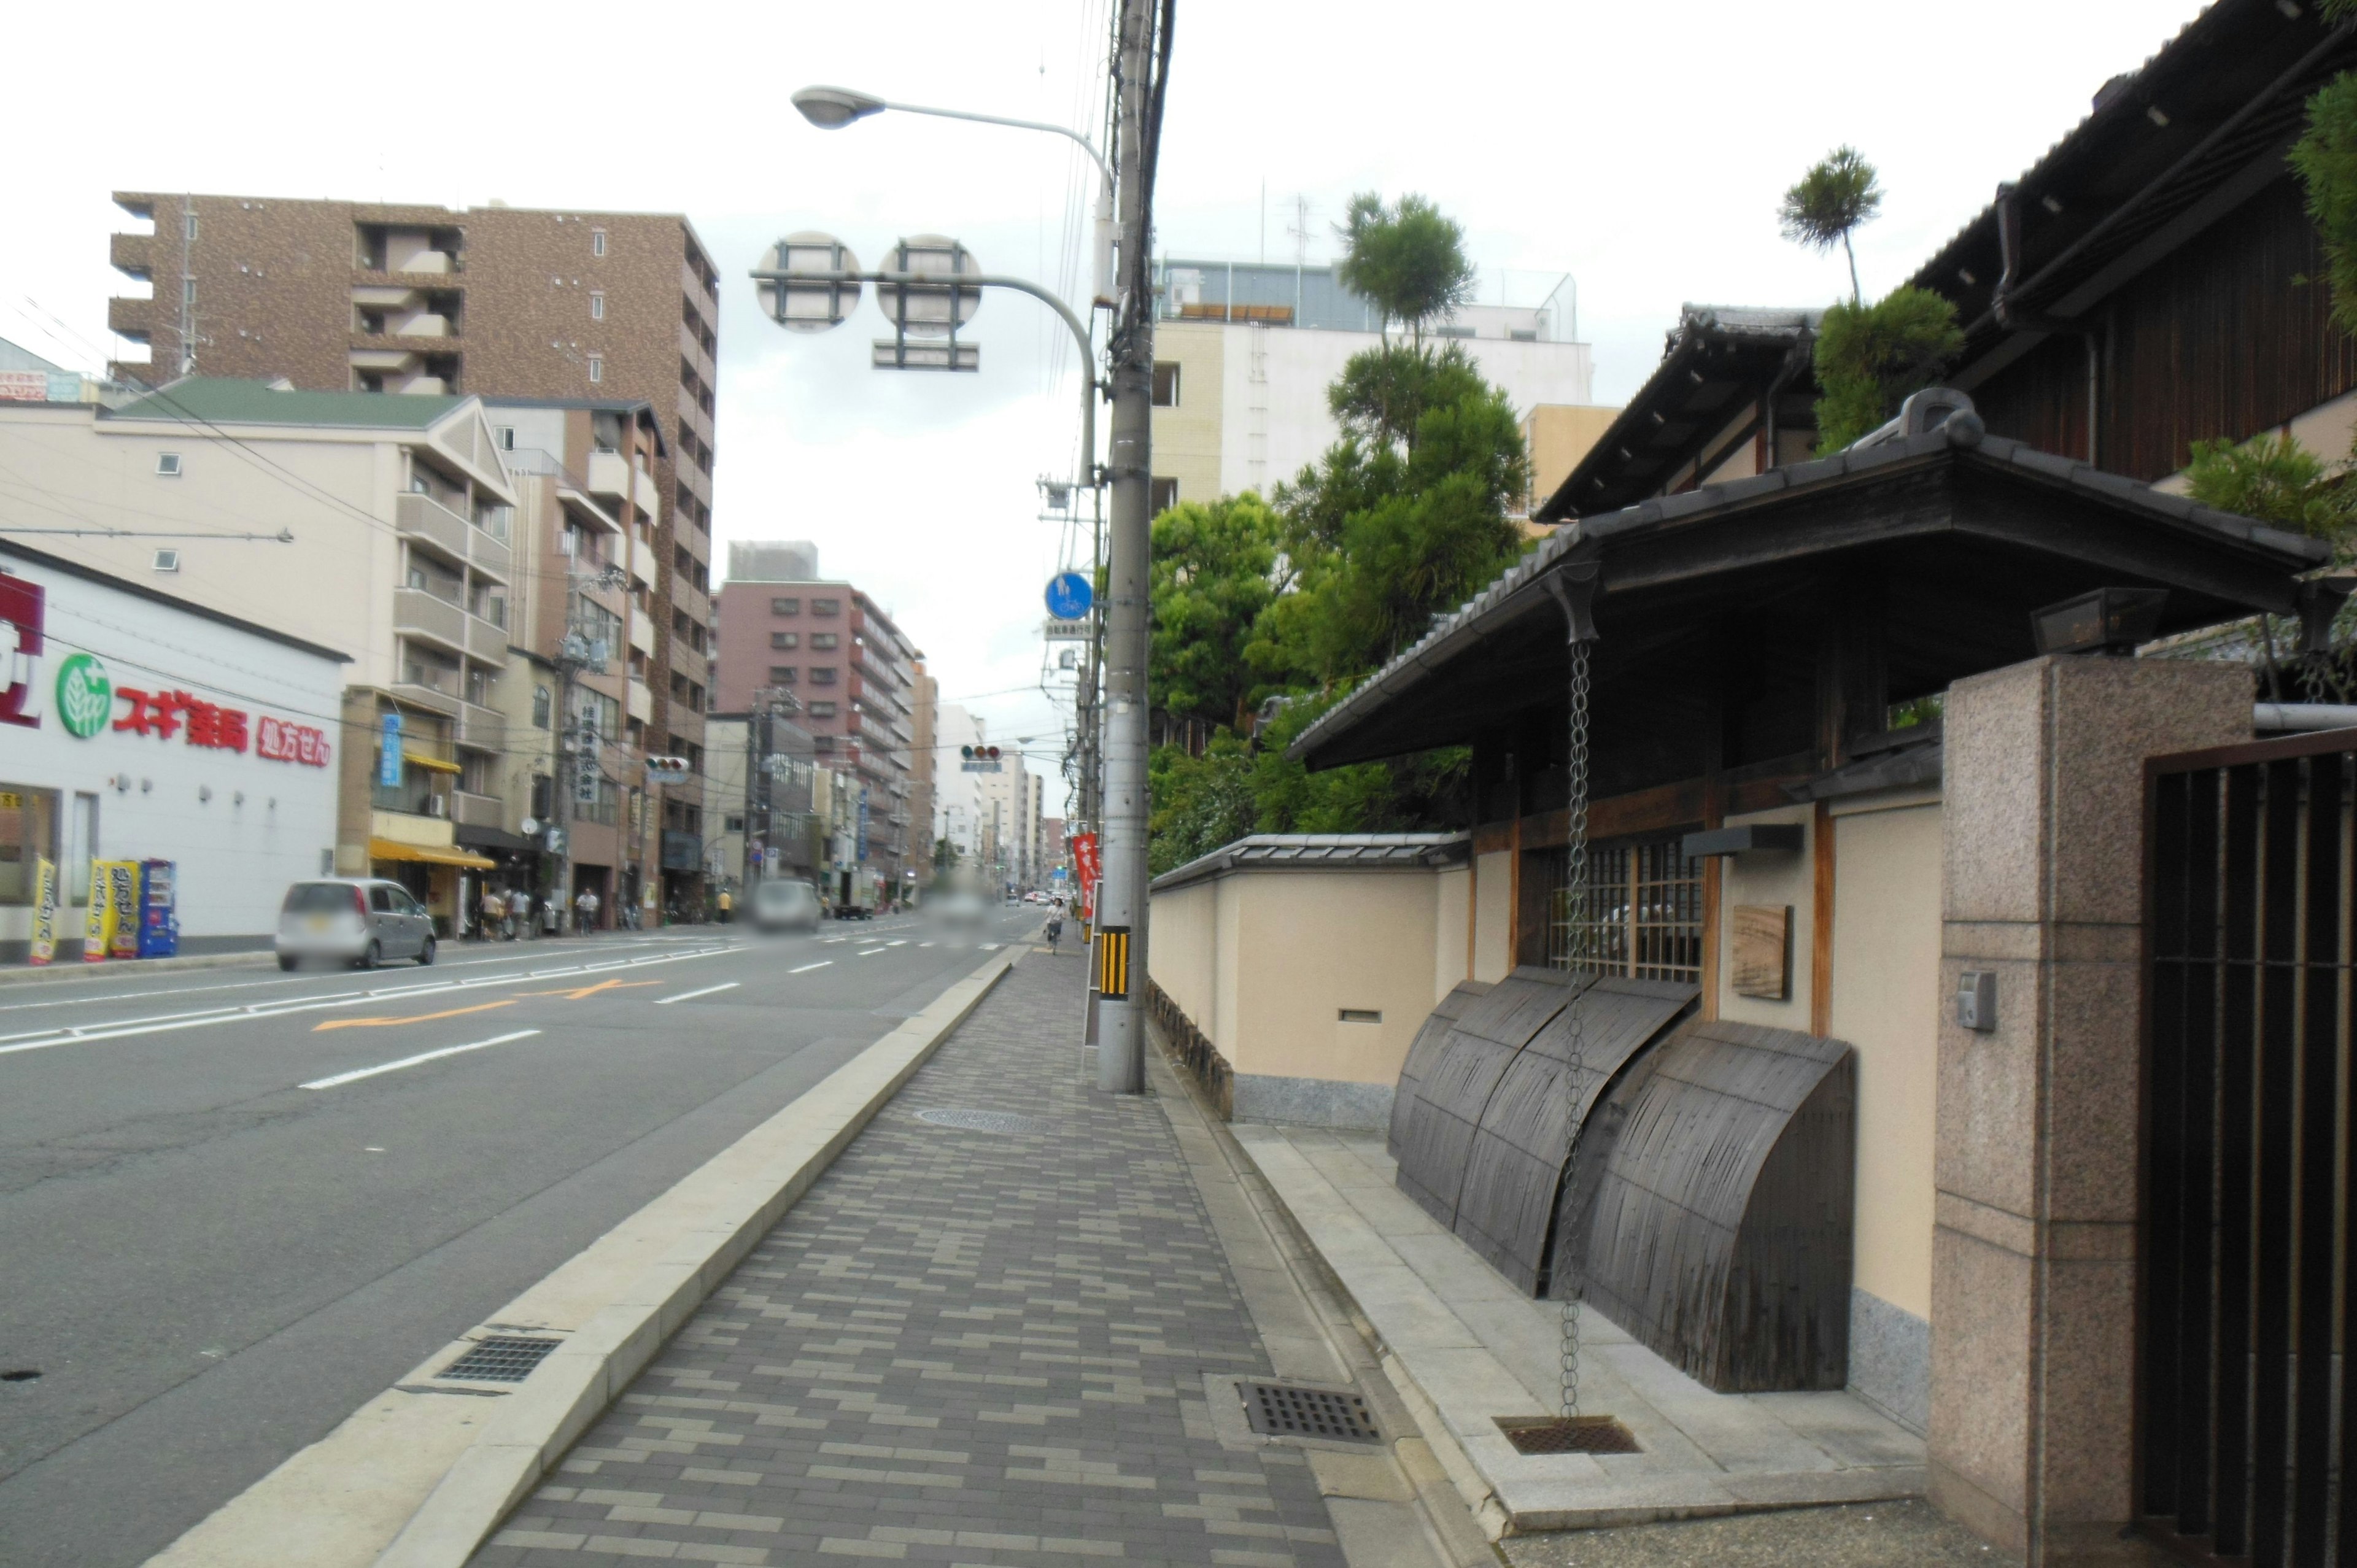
2247 1258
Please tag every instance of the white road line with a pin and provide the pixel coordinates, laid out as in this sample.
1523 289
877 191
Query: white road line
808 967
871 952
692 996
901 943
987 947
924 944
115 1029
413 1062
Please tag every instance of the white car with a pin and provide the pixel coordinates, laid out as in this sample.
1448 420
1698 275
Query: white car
785 905
358 920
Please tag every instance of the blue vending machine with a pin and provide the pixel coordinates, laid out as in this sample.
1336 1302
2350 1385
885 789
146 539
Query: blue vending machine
159 909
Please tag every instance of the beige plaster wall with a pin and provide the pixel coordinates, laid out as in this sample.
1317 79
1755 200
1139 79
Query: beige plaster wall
1770 878
1183 957
1493 915
1886 1005
1311 944
1187 437
1452 938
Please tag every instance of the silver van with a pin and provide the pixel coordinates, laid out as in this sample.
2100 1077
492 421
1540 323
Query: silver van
785 905
358 920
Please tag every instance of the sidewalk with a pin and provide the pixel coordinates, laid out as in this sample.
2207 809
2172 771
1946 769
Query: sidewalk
1001 1329
1458 1338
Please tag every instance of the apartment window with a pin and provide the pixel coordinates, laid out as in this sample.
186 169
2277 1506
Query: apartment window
1166 384
596 368
505 435
190 222
188 291
542 797
826 607
822 710
1642 914
785 639
596 305
732 824
541 699
822 674
1523 334
783 674
597 242
1456 332
168 465
1162 495
824 639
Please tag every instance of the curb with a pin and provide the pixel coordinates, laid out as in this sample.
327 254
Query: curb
127 968
421 1475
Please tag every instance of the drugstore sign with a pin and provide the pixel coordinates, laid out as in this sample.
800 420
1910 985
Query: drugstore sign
87 699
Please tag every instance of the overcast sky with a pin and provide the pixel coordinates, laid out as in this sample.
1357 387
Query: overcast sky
1640 148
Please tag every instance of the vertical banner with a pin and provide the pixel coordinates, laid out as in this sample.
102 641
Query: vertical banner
45 910
1084 872
388 756
97 921
122 918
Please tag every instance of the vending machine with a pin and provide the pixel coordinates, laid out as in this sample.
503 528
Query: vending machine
159 909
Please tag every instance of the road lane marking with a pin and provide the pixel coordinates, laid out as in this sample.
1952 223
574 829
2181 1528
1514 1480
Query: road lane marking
692 996
321 1028
871 952
987 947
924 944
808 967
901 943
167 1022
578 992
358 1074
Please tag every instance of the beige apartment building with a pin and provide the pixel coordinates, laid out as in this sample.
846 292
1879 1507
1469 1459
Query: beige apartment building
380 527
495 301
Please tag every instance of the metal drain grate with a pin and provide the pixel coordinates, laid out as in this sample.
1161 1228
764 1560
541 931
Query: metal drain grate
1576 1435
499 1360
989 1121
1280 1410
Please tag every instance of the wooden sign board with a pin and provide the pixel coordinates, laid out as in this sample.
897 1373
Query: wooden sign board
1762 956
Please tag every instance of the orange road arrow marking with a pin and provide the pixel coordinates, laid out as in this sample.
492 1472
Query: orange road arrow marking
592 990
414 1018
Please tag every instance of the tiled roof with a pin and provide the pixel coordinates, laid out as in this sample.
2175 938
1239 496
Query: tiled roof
1320 852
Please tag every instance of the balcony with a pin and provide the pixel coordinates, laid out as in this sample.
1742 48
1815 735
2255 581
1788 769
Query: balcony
642 635
642 564
133 254
418 614
421 517
641 702
646 494
130 319
477 810
435 696
484 729
609 475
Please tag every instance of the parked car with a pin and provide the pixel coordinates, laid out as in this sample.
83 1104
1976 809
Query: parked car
785 905
358 920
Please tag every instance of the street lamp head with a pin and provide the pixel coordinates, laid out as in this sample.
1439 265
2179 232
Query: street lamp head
832 108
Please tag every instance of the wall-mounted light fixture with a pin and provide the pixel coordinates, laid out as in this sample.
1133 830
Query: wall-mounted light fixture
1752 838
2109 621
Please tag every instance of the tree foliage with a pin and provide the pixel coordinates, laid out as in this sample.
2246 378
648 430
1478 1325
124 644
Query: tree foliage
1408 258
1871 357
2325 158
1216 570
2275 479
1840 192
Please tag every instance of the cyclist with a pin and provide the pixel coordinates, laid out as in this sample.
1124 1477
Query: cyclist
1055 928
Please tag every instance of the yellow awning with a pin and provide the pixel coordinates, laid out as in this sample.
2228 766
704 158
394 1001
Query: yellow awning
434 763
431 855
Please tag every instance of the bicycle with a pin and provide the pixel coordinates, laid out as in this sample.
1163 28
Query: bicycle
1055 934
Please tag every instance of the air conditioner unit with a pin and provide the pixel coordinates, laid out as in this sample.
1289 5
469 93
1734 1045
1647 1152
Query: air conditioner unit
437 806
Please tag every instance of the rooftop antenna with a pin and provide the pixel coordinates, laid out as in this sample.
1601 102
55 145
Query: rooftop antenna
1299 230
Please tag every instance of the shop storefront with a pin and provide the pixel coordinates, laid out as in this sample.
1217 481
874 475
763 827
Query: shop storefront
135 727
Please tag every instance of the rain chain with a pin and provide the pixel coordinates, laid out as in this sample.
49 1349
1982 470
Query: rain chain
1570 1242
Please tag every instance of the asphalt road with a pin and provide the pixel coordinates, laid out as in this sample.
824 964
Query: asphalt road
233 1206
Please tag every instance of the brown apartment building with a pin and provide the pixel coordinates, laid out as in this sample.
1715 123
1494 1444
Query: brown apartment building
505 302
856 675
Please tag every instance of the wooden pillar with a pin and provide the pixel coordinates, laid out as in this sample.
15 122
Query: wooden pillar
1821 934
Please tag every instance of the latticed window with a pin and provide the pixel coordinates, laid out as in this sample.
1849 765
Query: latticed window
1641 914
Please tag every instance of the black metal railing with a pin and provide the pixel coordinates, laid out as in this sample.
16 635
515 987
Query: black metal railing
2248 1267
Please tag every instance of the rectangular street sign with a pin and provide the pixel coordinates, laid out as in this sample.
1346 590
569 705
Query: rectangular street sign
1065 630
387 762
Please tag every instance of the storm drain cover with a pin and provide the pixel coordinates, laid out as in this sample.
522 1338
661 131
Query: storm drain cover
1569 1434
1281 1409
498 1359
988 1121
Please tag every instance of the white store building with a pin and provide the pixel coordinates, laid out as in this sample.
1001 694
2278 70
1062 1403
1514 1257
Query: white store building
134 725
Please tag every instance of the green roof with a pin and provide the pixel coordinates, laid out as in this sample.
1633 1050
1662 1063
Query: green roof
215 399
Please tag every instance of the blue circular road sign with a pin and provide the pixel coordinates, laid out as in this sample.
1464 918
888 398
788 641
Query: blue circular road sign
1068 596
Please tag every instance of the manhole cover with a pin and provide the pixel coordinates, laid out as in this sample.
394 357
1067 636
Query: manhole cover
1573 1435
1281 1409
500 1359
988 1121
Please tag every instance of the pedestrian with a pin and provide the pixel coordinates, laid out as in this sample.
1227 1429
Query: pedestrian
586 909
494 911
727 907
519 912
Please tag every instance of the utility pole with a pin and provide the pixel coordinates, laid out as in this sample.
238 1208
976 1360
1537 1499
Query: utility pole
1121 931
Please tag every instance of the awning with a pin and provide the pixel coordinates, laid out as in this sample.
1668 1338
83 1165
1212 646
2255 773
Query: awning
433 763
431 855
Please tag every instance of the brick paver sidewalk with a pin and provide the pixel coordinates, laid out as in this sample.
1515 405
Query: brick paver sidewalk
962 1346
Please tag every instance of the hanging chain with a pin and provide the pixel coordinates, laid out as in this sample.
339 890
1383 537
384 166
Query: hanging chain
1569 1242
